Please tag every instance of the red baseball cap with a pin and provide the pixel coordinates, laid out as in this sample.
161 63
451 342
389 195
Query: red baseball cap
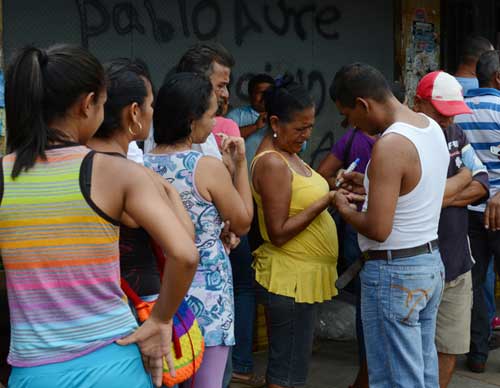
444 92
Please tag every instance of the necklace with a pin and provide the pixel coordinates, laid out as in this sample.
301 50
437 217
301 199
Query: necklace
295 162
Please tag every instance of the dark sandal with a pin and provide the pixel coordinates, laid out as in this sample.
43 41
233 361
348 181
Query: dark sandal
253 380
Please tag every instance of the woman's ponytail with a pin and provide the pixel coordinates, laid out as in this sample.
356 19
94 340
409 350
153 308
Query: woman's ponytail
41 85
24 93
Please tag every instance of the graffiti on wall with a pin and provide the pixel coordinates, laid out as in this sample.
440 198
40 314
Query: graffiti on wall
323 148
124 17
313 80
203 20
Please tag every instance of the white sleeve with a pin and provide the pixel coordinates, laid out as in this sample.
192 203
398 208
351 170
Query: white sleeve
209 148
149 143
135 153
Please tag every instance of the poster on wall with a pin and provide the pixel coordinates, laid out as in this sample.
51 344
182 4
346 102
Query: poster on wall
421 43
422 53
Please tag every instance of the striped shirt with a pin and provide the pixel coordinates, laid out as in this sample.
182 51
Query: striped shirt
482 129
62 263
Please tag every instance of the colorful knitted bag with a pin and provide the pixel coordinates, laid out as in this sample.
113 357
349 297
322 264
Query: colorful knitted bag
188 345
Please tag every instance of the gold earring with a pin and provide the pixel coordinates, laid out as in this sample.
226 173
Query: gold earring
134 133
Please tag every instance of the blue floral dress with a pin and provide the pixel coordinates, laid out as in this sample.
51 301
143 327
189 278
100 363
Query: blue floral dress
211 294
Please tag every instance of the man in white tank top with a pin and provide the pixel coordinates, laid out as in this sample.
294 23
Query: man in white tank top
403 275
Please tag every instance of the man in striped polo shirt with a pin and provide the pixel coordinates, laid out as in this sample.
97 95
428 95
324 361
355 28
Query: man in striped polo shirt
482 129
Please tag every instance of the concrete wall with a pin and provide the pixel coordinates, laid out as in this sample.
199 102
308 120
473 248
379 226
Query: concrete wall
309 38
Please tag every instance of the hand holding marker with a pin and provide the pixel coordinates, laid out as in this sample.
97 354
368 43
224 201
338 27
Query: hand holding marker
351 168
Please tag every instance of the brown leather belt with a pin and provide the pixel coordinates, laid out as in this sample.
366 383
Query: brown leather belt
400 253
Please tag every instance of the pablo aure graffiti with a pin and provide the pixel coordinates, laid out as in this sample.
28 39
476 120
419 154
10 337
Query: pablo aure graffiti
125 17
170 21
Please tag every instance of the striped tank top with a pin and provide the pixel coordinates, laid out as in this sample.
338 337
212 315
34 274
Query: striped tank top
61 258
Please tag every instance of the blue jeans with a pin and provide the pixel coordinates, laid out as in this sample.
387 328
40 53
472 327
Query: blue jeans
291 334
484 244
228 372
399 304
244 303
351 253
489 291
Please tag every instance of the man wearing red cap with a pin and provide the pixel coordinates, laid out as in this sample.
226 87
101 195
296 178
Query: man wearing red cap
439 96
403 275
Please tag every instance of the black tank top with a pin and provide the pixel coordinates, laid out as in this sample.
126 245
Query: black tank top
138 265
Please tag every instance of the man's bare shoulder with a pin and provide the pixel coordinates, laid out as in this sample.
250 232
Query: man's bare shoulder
394 145
407 116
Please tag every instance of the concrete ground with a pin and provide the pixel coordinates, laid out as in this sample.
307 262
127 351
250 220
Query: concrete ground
334 365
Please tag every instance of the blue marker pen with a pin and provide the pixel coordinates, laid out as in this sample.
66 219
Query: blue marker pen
351 168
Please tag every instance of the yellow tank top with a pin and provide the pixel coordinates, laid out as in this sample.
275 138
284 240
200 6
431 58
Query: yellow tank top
304 268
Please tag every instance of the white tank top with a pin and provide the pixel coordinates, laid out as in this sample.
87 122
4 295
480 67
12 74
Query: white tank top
417 213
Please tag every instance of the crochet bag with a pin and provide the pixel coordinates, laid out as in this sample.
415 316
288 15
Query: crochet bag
188 345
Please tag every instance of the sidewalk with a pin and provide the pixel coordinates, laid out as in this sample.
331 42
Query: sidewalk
334 365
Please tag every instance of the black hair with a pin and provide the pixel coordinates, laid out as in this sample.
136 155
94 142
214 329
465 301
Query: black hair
126 85
200 58
398 89
257 80
472 48
40 86
358 80
286 97
183 98
487 65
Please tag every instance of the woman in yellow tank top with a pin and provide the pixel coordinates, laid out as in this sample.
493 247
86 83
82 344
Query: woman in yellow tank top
296 264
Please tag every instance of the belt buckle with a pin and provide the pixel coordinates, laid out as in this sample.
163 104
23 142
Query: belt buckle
365 256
